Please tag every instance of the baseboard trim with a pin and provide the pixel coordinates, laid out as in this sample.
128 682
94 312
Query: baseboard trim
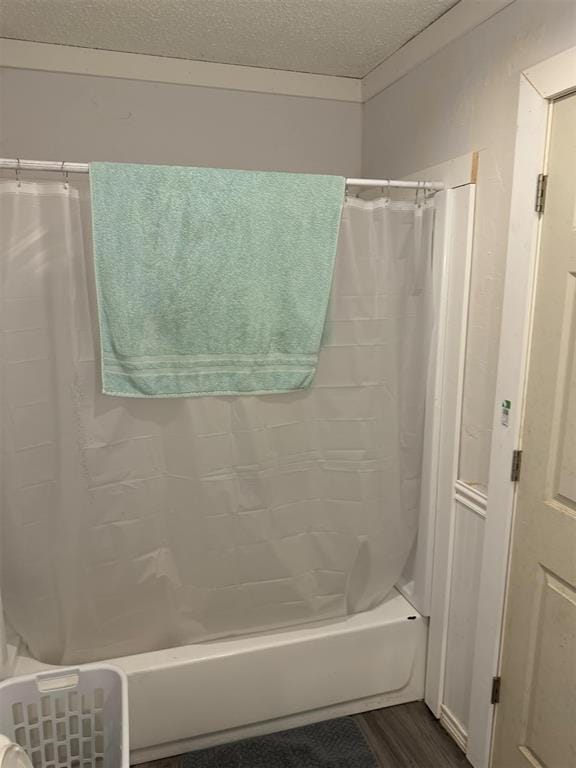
454 727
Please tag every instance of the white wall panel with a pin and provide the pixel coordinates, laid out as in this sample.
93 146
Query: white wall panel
468 540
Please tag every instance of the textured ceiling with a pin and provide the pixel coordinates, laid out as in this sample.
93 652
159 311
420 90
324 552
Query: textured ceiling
332 37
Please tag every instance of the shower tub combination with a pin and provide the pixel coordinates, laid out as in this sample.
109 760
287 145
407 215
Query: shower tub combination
200 695
237 557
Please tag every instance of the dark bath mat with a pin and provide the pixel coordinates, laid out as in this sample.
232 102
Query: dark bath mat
331 744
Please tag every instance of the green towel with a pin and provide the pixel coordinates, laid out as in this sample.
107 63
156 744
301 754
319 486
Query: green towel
211 281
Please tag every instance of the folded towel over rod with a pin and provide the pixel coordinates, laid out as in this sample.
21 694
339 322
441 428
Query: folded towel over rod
211 281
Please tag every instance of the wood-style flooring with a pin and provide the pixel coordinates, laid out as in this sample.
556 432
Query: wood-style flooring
409 736
406 736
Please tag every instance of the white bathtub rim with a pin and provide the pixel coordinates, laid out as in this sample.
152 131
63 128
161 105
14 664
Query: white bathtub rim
392 609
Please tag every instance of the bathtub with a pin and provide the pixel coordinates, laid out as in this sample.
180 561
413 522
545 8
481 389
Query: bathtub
200 695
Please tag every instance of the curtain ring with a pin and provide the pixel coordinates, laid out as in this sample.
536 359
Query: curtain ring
65 174
18 179
420 193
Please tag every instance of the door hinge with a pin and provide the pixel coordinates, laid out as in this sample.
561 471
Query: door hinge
541 193
516 466
495 695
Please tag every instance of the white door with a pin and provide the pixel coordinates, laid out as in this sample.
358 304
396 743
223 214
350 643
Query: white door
536 717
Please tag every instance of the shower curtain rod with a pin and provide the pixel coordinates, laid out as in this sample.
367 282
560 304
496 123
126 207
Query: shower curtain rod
16 164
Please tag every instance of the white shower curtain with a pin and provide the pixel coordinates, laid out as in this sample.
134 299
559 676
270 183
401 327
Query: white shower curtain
132 525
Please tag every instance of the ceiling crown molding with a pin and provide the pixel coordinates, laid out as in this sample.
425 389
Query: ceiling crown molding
19 54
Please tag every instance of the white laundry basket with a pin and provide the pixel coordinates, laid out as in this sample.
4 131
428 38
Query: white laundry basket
70 718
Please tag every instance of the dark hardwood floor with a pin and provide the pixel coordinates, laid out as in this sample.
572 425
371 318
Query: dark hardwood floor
409 736
406 736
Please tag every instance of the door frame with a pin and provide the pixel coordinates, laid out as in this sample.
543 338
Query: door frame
540 85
